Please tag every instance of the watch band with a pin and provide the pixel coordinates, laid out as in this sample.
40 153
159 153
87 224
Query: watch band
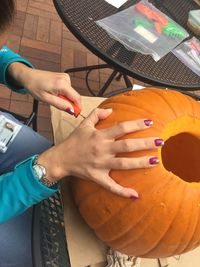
40 173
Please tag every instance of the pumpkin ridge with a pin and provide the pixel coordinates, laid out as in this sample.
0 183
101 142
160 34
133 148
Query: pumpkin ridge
160 94
174 252
94 192
182 102
165 181
191 226
131 107
157 242
157 189
196 233
169 105
195 109
192 103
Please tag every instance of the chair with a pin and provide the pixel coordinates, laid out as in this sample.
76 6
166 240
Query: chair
49 247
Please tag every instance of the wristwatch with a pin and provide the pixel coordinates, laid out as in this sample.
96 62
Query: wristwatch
40 173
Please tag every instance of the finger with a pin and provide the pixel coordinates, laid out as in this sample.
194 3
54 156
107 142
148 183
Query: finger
133 163
130 145
57 102
63 87
72 94
108 183
126 127
97 115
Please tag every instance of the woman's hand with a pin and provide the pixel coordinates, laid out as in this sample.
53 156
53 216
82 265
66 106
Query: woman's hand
90 154
45 85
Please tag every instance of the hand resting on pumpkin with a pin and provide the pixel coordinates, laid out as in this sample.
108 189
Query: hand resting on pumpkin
90 154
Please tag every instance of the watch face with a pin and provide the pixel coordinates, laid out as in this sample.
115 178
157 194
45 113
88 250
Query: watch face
38 170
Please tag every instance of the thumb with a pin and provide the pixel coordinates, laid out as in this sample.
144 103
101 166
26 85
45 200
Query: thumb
97 115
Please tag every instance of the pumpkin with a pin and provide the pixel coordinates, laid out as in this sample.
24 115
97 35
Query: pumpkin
165 220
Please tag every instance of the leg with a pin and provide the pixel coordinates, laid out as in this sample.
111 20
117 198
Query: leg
25 144
15 235
15 242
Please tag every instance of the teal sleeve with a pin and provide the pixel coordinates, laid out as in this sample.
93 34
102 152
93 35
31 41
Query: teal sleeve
7 57
20 190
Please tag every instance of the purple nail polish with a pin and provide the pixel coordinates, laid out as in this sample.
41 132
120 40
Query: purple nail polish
148 122
159 142
153 160
134 197
70 111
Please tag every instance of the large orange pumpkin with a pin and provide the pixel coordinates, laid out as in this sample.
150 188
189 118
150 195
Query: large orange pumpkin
165 220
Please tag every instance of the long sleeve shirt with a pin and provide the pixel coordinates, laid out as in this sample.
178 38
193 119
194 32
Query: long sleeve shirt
19 189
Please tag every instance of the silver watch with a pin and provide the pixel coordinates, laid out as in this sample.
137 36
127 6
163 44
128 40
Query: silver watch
40 173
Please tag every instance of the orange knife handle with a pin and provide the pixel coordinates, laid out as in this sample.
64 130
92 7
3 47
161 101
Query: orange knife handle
75 107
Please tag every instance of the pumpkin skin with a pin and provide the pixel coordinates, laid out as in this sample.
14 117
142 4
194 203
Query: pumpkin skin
165 220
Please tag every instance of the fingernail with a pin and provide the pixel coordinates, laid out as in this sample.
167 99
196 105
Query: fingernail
70 111
159 142
153 160
148 122
134 197
110 109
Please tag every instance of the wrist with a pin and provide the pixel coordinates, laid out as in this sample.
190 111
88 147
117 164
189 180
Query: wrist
48 159
40 173
20 73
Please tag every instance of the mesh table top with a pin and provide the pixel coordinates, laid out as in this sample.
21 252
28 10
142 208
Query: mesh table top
80 17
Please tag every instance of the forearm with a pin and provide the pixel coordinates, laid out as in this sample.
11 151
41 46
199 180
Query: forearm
8 58
18 74
20 190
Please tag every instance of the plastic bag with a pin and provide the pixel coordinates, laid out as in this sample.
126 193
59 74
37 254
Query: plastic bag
189 54
145 29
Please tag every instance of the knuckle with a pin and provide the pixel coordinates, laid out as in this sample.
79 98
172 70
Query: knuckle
140 124
146 143
78 97
126 147
143 162
95 112
122 126
116 188
122 164
66 76
60 82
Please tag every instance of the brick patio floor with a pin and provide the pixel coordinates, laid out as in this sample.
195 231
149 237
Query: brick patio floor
40 36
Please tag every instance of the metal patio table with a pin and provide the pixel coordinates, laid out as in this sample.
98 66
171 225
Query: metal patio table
80 17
